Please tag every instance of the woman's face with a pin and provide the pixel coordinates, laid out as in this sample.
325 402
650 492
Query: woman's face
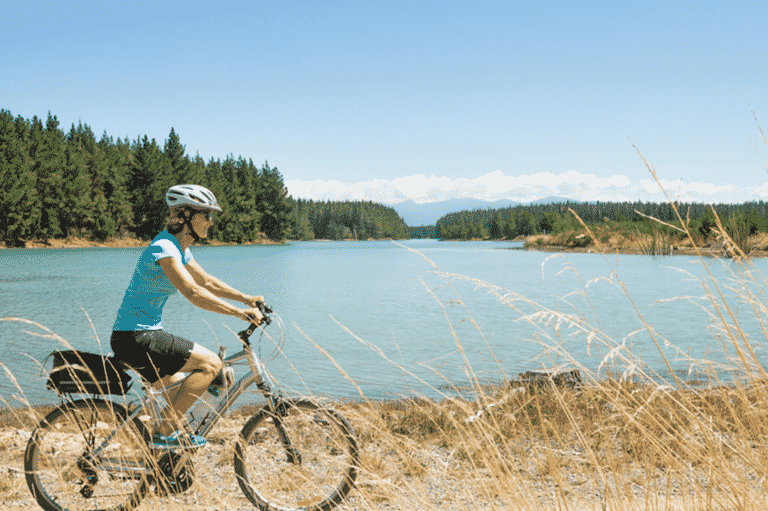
201 222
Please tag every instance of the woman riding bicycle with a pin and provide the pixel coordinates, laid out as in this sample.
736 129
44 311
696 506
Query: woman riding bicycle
164 268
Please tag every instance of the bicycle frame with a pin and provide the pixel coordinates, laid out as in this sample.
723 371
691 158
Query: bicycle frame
150 403
257 375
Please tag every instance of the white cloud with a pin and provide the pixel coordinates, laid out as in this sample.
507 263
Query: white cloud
497 186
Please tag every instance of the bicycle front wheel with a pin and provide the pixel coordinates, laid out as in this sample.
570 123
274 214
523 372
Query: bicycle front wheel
303 456
63 470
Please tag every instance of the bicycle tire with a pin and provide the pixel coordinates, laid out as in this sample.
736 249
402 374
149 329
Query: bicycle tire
322 474
55 461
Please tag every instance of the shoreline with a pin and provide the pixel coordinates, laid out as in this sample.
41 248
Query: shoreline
617 245
681 251
77 242
532 243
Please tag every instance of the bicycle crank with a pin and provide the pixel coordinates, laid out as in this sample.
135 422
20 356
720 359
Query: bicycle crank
176 473
87 490
84 464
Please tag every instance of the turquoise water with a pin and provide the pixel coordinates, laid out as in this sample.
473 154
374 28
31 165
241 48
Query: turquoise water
380 311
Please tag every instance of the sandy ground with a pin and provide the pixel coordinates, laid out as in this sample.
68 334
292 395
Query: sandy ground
442 483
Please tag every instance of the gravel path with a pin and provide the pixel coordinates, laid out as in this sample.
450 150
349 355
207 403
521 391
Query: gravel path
434 479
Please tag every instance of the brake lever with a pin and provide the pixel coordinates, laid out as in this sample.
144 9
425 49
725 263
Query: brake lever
265 320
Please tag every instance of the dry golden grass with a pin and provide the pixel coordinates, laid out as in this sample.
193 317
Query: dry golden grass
613 446
617 442
628 242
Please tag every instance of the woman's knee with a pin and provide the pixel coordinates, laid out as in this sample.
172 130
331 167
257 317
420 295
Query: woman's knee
215 364
203 360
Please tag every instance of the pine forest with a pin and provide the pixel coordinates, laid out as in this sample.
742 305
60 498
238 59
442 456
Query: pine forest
527 220
56 184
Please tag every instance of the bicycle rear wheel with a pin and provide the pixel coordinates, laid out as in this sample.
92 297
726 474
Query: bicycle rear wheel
59 464
306 458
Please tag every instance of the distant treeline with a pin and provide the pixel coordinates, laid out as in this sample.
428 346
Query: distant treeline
347 220
555 218
422 232
55 184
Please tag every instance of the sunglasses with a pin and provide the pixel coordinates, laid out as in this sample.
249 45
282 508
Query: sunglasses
209 215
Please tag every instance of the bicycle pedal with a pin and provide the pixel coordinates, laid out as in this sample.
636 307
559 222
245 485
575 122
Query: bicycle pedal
178 441
176 449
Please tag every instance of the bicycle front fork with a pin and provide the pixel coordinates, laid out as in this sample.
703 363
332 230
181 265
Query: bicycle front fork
279 410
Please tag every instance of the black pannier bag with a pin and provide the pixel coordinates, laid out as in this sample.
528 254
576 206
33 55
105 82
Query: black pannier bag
79 372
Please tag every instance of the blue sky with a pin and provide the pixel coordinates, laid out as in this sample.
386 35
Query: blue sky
415 100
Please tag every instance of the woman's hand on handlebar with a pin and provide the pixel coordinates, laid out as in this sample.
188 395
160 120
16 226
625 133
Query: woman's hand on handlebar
259 315
254 301
253 315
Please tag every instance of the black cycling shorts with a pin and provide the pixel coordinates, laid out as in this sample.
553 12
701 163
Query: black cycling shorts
151 353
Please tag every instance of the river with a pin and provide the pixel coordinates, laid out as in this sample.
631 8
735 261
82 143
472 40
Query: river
393 323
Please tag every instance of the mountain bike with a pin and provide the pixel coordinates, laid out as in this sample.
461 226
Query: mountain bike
93 453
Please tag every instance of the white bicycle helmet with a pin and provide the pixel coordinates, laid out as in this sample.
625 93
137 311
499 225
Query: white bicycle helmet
195 196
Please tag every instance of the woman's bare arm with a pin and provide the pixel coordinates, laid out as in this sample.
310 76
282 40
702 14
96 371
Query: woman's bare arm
200 295
218 287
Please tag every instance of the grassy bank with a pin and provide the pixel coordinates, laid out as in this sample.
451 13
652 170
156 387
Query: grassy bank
623 240
610 446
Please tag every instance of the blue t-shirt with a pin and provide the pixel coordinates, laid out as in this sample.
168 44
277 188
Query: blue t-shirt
142 307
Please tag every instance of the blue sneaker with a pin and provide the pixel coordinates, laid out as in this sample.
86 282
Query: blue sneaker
177 440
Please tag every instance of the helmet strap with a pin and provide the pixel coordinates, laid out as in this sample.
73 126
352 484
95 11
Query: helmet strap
187 217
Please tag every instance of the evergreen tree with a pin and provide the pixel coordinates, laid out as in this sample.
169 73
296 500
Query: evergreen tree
195 172
19 202
102 223
48 162
548 221
302 225
248 177
509 229
273 203
241 218
229 221
116 185
708 223
494 230
179 163
76 213
84 136
150 179
217 184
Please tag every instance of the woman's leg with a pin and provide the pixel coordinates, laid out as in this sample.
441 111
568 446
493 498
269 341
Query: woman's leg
204 366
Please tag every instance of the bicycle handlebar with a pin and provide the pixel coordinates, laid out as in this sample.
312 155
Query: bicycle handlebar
266 319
